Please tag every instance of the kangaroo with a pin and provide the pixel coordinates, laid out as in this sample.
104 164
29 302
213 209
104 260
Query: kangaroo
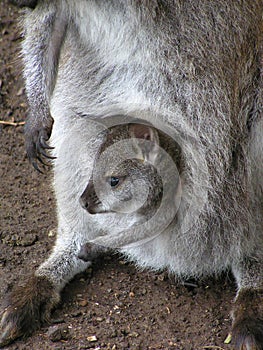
192 70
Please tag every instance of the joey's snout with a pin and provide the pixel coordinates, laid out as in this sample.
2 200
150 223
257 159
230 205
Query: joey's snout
89 200
86 201
83 200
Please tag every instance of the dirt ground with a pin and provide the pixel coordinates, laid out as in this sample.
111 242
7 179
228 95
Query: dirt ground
110 306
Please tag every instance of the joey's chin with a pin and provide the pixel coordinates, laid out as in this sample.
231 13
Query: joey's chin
94 211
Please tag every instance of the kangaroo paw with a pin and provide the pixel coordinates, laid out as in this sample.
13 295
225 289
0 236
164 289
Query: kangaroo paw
37 133
27 307
91 251
247 332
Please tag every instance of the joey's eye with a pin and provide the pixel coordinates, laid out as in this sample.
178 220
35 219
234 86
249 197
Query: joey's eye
113 181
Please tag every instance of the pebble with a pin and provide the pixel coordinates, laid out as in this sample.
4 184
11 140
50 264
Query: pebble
52 233
92 338
99 319
58 333
27 240
133 334
83 303
23 241
20 92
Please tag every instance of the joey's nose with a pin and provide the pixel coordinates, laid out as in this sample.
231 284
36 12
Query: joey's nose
87 205
83 202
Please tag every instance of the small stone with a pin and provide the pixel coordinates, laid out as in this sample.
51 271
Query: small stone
27 240
52 233
99 319
83 303
228 339
161 277
92 338
20 92
24 241
58 333
123 262
133 334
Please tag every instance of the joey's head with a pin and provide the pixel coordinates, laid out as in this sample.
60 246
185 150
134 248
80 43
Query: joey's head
125 179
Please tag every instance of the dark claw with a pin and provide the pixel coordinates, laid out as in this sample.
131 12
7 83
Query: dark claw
36 152
35 165
37 133
34 159
43 143
41 146
42 161
42 152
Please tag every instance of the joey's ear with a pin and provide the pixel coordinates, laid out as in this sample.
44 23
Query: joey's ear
146 141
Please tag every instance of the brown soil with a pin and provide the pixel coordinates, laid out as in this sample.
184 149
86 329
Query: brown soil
111 306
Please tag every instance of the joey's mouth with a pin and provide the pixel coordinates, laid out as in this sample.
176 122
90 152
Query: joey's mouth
94 211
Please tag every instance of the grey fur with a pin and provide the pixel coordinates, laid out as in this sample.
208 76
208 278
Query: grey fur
192 69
